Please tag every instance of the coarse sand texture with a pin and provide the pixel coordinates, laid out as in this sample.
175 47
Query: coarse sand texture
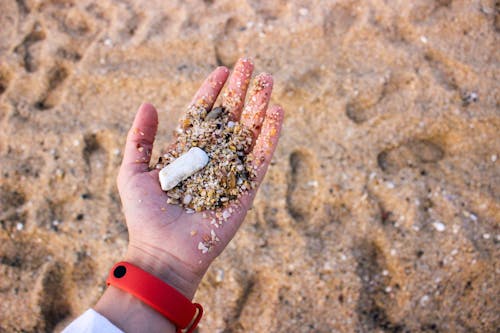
380 211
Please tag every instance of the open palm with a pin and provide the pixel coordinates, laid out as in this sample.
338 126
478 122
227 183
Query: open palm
164 238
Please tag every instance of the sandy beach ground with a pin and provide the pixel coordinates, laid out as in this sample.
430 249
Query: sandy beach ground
380 212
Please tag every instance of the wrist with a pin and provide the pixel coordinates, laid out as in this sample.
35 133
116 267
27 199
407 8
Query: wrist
164 266
130 314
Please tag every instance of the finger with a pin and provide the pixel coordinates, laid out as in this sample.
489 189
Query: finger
207 94
234 96
266 142
261 155
140 138
255 110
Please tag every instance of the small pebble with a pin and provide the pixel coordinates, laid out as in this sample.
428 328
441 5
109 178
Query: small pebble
187 199
424 300
202 247
312 183
214 236
439 226
303 11
219 276
470 97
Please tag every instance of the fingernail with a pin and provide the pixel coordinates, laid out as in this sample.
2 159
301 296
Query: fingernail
276 112
224 68
265 75
246 60
263 80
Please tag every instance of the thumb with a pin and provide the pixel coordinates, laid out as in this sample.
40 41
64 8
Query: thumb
140 139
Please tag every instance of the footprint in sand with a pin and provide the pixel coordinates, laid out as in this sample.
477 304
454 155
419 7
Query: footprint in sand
29 49
302 185
100 160
373 301
5 77
52 94
361 107
46 300
226 46
12 216
412 154
96 158
51 292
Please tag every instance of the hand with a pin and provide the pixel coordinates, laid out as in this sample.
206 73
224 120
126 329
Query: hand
163 238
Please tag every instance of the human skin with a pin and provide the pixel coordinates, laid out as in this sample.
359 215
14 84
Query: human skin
161 239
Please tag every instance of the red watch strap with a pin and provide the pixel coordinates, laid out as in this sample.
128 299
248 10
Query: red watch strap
157 294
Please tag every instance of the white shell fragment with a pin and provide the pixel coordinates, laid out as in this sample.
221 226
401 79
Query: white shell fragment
183 167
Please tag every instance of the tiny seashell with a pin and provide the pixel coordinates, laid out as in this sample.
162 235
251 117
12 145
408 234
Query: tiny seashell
231 180
187 199
216 112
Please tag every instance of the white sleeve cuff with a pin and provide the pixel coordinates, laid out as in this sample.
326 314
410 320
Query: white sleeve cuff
91 322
